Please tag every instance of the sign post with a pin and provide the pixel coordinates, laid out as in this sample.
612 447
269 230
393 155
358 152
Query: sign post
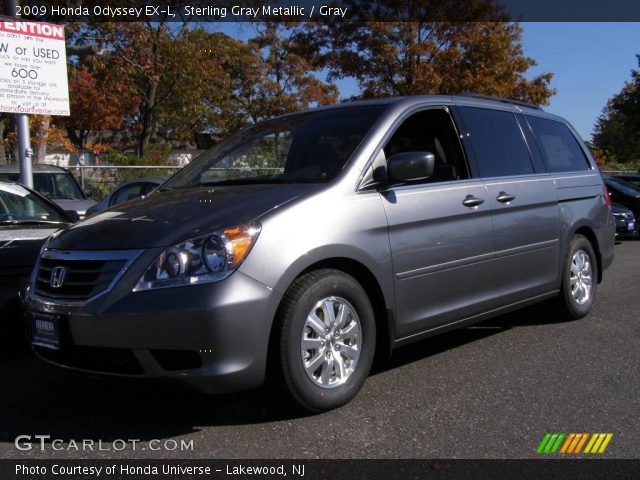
33 77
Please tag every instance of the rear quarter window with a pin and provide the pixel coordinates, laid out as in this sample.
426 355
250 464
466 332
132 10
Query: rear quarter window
560 148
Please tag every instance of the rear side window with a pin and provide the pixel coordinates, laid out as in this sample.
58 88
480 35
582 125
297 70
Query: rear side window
497 142
561 150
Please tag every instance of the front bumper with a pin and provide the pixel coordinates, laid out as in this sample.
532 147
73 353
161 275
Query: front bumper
625 226
213 337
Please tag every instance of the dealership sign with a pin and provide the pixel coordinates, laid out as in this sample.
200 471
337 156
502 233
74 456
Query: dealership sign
33 68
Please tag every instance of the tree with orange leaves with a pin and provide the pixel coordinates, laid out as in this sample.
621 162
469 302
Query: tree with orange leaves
100 101
414 51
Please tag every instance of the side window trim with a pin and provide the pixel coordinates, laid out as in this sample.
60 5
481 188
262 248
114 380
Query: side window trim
535 151
463 135
364 181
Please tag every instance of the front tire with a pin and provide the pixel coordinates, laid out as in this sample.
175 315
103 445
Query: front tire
327 339
579 278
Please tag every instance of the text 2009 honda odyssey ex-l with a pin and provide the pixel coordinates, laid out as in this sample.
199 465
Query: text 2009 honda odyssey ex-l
310 242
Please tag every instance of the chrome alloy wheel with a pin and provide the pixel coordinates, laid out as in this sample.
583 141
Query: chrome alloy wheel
580 278
331 342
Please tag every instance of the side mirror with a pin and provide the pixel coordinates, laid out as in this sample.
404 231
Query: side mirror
73 215
410 166
87 193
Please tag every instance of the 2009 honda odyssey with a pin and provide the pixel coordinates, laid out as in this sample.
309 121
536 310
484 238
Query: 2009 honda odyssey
312 241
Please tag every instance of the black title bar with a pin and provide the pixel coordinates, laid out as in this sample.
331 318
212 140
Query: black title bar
318 469
330 11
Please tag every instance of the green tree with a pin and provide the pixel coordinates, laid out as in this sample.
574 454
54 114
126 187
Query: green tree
100 101
180 80
413 52
617 131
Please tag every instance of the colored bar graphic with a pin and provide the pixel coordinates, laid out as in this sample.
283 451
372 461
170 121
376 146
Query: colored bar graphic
596 446
572 443
604 445
591 442
543 443
598 443
557 444
567 443
581 443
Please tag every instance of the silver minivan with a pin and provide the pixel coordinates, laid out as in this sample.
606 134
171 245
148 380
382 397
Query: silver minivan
306 245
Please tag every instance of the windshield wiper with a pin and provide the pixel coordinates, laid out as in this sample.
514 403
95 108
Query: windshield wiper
31 222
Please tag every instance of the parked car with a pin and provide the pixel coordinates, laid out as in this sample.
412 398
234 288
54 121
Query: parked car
55 183
314 241
625 220
624 193
26 220
633 179
127 191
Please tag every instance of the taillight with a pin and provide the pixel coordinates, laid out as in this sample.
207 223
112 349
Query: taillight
605 193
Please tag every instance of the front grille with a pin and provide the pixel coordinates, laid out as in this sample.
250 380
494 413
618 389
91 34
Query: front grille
86 274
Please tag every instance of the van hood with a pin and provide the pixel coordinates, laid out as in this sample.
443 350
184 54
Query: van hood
167 218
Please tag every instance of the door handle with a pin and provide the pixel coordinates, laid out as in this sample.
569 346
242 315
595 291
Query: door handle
472 202
504 197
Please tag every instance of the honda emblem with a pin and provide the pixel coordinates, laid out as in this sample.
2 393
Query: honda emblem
57 277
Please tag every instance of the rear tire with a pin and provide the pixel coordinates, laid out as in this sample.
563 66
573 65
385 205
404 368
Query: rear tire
326 340
579 278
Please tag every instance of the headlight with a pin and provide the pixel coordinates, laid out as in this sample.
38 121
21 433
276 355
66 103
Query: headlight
205 259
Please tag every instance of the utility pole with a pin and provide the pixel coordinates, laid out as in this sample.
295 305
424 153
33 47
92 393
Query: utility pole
22 125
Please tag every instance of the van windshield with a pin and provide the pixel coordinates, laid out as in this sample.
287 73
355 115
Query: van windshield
307 147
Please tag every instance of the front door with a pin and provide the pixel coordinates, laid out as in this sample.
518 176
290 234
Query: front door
440 230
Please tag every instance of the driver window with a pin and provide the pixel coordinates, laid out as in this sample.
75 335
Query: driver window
431 131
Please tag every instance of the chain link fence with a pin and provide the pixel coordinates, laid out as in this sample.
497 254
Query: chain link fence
620 172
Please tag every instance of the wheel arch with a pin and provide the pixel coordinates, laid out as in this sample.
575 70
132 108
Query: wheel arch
590 234
384 317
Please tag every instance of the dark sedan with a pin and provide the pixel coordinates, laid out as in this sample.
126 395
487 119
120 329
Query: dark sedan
632 178
26 220
624 193
625 220
56 183
127 191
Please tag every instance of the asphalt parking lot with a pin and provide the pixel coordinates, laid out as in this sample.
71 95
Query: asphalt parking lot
488 391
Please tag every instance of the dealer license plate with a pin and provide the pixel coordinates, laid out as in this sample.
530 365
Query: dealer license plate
45 330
